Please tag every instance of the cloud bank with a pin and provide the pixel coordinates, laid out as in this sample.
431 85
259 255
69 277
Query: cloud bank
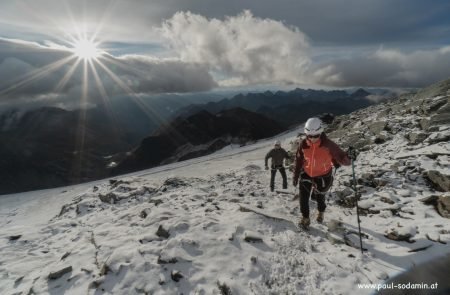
205 53
242 49
386 68
245 50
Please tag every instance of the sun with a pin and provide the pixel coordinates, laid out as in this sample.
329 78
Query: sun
86 49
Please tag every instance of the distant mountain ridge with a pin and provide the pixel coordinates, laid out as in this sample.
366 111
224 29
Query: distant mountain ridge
198 135
49 146
288 108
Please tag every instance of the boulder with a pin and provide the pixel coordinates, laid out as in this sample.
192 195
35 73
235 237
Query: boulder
440 119
57 274
417 137
431 200
399 236
443 206
434 105
440 181
367 179
162 233
110 198
439 137
252 237
441 203
384 113
424 124
14 237
344 193
377 127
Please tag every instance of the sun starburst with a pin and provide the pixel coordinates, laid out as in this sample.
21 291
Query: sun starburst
86 49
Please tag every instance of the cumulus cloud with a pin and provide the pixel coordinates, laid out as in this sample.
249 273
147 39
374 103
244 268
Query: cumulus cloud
241 49
30 71
386 68
246 50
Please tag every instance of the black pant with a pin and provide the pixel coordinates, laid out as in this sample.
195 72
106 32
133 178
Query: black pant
272 176
319 187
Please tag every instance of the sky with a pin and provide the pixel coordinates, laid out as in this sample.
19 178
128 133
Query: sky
83 51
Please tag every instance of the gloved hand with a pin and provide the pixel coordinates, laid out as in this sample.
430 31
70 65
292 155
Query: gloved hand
267 167
352 153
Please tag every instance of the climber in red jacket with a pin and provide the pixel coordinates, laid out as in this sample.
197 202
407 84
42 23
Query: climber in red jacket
314 160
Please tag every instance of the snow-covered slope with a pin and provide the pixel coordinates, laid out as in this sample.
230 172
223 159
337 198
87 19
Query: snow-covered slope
211 226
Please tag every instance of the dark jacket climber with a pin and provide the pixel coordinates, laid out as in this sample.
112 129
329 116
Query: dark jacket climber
314 160
278 154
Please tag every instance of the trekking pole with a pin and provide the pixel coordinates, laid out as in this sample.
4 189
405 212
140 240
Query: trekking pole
332 182
356 200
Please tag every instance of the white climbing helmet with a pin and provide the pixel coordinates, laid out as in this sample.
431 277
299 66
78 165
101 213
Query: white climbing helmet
277 143
313 126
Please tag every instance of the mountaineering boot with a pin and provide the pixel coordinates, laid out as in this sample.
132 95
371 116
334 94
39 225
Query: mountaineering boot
304 223
320 217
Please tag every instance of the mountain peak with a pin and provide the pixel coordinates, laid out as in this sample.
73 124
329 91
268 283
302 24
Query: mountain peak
360 93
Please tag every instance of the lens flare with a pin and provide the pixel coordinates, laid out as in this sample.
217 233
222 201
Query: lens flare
86 49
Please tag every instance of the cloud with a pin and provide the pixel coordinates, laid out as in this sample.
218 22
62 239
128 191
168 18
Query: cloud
204 52
386 68
242 49
327 22
30 71
151 75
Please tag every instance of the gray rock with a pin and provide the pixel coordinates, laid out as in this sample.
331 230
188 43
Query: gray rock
252 237
379 139
176 275
435 105
339 133
144 213
393 235
161 232
366 178
431 200
398 109
443 206
14 237
110 198
384 113
387 200
175 182
417 137
156 201
439 137
223 288
440 181
344 193
378 182
335 225
65 255
424 124
437 89
377 127
57 274
440 119
161 260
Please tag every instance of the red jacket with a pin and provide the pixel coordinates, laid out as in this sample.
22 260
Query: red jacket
318 158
